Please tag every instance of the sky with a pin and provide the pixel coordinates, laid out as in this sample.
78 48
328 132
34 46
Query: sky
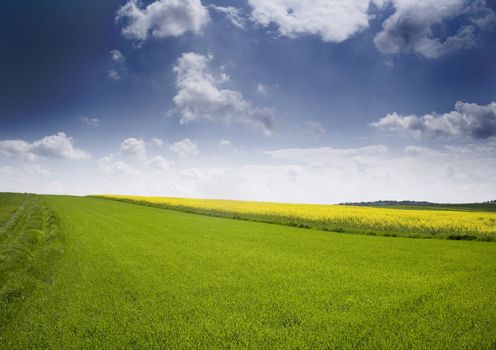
321 101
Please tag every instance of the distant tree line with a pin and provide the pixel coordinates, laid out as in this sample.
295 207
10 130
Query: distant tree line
387 203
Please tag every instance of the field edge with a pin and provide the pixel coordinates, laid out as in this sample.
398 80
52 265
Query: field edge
307 224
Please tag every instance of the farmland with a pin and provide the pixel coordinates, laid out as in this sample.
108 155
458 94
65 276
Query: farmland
467 225
9 203
122 275
29 244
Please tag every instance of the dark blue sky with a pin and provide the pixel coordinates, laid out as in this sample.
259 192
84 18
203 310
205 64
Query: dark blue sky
56 66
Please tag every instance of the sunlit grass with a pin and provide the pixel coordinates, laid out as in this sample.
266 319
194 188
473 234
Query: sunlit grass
136 277
30 242
367 220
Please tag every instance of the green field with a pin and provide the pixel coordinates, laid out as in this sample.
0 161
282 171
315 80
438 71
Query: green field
113 275
407 222
30 242
9 202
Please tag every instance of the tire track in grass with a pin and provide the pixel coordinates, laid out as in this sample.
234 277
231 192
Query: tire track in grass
30 242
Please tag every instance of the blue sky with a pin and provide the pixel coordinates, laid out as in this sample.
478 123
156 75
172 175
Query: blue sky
302 101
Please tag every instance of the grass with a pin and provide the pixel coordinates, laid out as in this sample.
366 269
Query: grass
135 277
9 203
446 224
29 244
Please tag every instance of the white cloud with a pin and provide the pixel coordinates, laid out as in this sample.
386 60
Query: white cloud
411 28
20 148
157 142
225 143
117 56
185 149
333 21
111 166
416 151
37 169
473 166
58 146
117 68
90 121
454 173
162 18
53 146
446 175
32 177
328 155
329 175
262 89
114 74
468 120
233 14
200 96
159 163
133 147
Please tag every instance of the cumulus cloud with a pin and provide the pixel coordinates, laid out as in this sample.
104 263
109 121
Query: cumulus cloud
331 175
162 18
117 69
333 21
200 96
117 56
185 149
411 28
453 173
53 146
233 14
90 121
159 163
133 147
468 120
111 166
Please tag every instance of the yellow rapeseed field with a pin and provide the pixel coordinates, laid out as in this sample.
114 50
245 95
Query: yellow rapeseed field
385 221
